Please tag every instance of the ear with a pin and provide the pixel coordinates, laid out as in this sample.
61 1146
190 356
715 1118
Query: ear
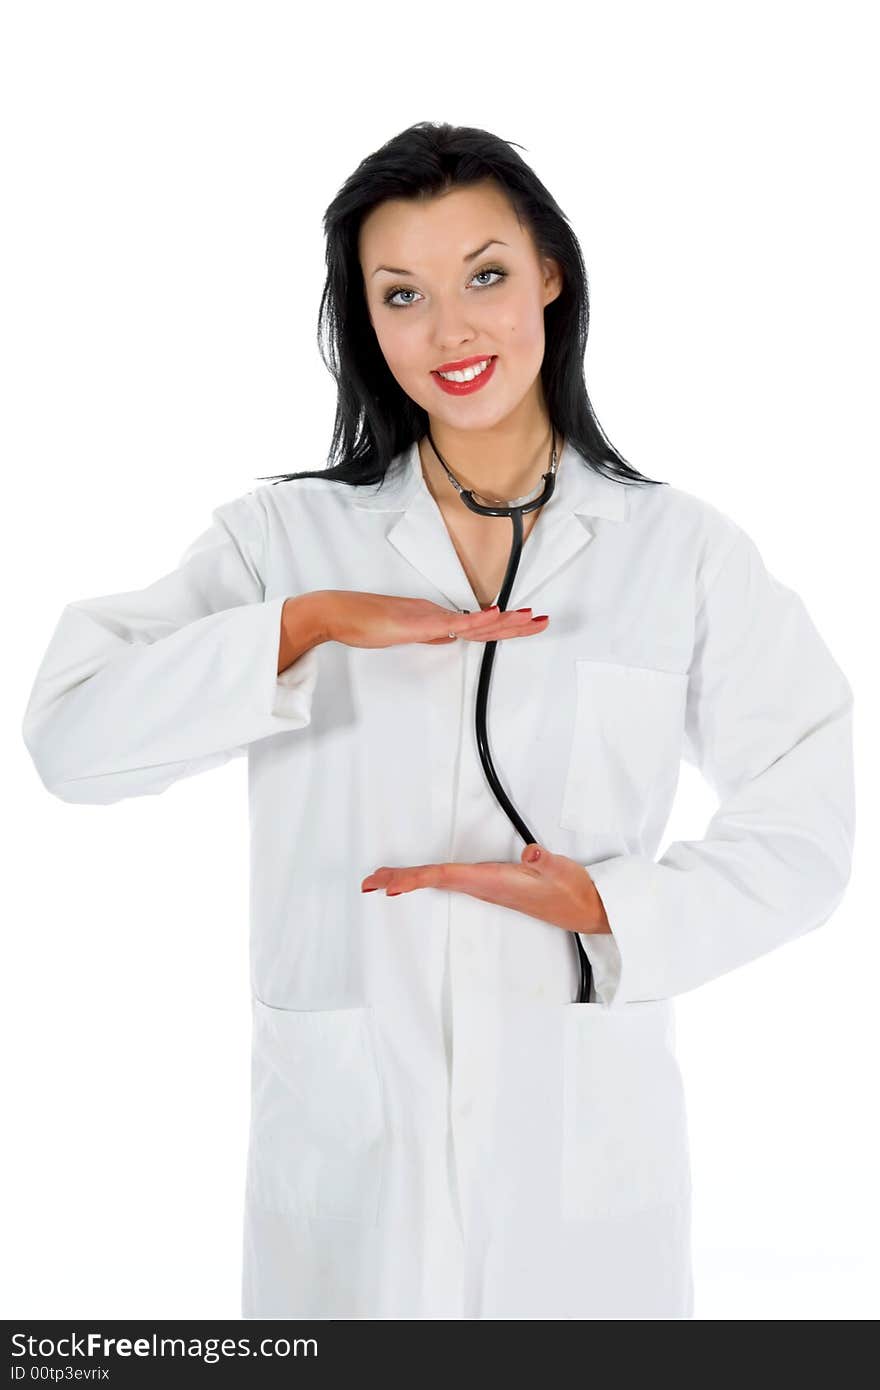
554 279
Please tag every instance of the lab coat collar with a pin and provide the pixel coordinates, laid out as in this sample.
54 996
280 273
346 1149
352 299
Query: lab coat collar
560 532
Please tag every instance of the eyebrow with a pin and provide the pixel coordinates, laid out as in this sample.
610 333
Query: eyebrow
471 256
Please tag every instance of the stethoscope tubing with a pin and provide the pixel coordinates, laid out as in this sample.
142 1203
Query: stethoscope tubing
516 512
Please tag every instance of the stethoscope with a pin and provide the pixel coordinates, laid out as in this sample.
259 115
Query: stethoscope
515 510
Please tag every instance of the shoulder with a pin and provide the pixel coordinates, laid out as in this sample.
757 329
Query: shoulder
685 512
700 528
253 515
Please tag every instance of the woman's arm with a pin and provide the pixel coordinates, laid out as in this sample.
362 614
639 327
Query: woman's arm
139 689
769 723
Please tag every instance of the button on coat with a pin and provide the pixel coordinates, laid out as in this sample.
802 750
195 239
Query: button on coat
437 1130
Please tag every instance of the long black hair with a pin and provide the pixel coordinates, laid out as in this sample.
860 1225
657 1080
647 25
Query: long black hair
375 419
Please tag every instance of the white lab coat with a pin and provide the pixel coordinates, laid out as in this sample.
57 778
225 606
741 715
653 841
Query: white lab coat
437 1130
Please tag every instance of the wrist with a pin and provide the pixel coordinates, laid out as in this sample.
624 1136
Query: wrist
596 915
602 926
322 614
309 614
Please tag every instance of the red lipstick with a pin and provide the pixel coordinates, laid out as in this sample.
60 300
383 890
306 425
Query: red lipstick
464 388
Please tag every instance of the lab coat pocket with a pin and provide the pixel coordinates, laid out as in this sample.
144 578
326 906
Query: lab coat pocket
318 1134
625 751
625 1139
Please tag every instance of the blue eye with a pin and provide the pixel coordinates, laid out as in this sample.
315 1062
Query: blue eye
489 270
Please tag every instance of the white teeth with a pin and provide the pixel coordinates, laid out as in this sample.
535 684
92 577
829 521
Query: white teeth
468 374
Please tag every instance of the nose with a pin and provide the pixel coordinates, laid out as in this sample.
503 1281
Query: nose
452 336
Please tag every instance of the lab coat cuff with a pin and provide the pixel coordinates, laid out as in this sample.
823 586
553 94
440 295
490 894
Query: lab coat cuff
634 963
291 692
603 953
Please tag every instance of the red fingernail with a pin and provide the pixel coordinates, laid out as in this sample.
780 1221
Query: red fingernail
540 618
524 610
389 894
368 890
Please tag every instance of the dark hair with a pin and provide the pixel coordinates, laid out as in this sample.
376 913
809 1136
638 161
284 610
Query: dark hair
375 418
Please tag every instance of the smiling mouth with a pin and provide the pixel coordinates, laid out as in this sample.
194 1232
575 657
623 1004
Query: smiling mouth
466 379
466 364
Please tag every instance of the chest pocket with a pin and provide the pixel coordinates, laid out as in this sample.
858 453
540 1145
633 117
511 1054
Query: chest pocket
625 751
318 1134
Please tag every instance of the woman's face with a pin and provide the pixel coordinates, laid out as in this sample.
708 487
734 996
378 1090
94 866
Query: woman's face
439 304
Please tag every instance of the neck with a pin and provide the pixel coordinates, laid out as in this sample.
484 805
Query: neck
494 463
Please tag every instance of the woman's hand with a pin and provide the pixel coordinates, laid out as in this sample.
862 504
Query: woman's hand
551 887
384 620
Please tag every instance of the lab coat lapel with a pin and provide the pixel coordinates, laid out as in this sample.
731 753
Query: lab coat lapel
561 531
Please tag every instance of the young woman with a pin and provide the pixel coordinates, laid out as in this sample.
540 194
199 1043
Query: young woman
443 1124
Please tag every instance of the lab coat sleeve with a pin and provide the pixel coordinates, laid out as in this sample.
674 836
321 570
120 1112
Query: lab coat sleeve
139 689
769 724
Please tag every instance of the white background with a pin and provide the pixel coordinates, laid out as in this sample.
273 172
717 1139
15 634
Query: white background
165 168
